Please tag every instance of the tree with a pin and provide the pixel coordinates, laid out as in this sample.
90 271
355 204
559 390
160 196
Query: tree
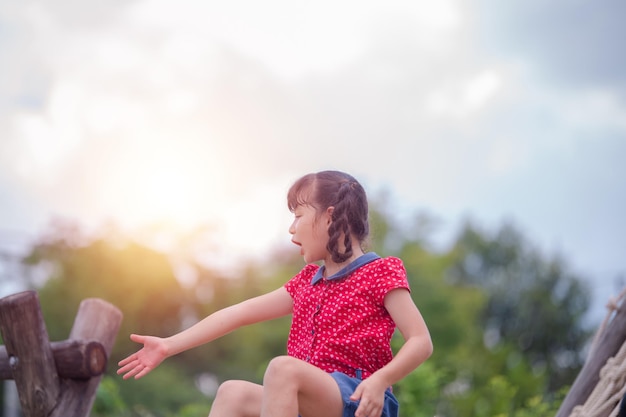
136 279
504 318
535 304
481 298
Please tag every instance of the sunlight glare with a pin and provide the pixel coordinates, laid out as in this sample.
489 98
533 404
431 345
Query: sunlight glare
162 184
171 193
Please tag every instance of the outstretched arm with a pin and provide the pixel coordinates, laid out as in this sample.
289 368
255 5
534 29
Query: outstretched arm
155 350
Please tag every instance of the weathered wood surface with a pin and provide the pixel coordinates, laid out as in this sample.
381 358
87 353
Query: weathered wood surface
607 346
29 353
96 320
74 359
56 379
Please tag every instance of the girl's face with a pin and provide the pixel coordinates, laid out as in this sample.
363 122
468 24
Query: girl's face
309 230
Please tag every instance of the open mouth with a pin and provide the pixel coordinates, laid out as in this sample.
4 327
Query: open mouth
299 244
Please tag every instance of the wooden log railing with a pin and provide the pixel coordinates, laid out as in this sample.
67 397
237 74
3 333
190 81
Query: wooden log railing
608 345
57 379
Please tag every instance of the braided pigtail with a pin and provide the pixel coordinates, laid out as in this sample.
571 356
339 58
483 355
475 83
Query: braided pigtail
349 219
340 226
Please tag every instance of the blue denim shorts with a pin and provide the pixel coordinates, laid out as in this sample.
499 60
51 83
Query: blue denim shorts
347 385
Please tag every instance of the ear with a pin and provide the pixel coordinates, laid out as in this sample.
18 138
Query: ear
329 214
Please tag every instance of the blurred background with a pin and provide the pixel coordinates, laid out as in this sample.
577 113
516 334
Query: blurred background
146 148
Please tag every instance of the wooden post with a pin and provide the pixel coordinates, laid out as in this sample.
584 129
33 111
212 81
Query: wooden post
56 379
96 320
30 355
608 345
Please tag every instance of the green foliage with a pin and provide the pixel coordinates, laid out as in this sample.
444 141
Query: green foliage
525 289
136 279
540 406
452 313
167 388
495 399
193 410
108 401
502 317
418 393
166 393
506 322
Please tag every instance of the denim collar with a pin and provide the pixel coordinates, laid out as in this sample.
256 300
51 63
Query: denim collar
350 268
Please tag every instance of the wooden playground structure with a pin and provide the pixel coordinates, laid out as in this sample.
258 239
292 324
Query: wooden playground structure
601 384
57 379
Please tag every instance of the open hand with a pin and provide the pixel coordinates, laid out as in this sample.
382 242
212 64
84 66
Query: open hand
144 360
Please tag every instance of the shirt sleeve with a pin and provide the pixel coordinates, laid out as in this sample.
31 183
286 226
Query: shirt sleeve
301 278
389 274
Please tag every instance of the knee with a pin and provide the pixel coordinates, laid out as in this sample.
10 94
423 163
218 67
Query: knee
282 370
237 399
231 392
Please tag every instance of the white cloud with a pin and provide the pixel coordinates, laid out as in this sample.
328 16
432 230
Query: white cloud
593 109
465 97
206 102
293 38
482 88
506 155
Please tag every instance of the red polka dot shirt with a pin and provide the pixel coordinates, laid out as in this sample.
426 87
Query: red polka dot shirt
340 323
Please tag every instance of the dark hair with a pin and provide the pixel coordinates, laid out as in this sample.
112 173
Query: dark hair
336 189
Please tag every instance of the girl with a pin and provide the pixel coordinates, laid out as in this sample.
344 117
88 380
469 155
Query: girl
339 361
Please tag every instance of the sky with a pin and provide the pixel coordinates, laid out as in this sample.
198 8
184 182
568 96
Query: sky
187 113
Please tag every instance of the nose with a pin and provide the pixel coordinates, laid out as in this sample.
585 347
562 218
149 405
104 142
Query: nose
292 228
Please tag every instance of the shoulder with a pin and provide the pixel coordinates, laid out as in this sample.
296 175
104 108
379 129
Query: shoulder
387 273
390 264
302 278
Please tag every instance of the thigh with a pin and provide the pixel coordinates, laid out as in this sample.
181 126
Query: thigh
320 397
318 392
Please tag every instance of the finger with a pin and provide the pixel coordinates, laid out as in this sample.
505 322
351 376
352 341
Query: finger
356 395
360 411
127 360
137 338
134 371
369 407
127 368
143 372
375 411
366 409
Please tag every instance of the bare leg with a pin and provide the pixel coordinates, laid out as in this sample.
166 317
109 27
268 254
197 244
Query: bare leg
292 387
237 399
